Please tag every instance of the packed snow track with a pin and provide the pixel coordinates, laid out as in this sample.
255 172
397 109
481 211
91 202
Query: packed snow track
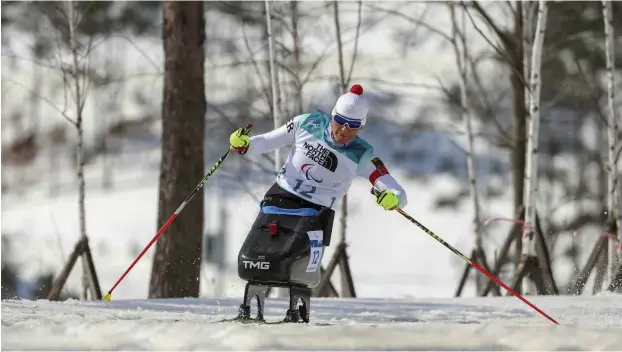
500 323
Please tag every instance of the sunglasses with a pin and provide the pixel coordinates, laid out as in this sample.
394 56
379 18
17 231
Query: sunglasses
351 123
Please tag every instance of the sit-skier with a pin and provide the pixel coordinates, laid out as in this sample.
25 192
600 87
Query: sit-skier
284 247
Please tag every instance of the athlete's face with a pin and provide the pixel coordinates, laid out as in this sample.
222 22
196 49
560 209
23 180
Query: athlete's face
342 133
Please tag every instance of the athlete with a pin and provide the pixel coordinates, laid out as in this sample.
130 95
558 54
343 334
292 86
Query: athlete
327 155
285 245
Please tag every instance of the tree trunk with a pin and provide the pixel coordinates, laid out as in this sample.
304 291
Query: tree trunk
343 220
177 260
601 270
341 65
275 94
527 33
458 41
613 186
531 171
520 114
297 65
273 83
108 102
78 96
37 86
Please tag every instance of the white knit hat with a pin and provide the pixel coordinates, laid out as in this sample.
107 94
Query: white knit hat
352 105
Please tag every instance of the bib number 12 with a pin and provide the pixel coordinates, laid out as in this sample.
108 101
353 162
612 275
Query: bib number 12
308 193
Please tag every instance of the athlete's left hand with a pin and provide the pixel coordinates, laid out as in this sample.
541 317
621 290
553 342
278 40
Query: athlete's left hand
388 200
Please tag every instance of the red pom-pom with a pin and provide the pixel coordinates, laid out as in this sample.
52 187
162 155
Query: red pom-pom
357 89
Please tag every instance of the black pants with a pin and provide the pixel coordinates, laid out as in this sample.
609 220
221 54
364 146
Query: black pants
278 197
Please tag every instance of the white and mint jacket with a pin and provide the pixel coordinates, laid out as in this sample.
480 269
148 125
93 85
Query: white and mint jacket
317 168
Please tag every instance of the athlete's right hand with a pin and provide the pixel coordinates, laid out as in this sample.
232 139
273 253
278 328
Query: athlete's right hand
239 141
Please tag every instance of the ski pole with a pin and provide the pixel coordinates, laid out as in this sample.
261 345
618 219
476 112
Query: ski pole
468 260
173 216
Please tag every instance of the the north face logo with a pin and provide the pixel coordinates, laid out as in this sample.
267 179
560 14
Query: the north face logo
321 156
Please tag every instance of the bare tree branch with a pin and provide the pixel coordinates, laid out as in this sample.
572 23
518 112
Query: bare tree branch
356 41
403 84
46 100
509 5
247 189
65 90
32 61
342 80
86 81
481 92
507 43
264 90
592 91
499 50
491 23
138 49
412 20
315 65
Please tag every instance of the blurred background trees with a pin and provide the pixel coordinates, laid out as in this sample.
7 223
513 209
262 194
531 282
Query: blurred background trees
419 113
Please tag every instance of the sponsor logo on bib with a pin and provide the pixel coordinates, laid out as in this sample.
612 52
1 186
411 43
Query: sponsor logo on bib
322 156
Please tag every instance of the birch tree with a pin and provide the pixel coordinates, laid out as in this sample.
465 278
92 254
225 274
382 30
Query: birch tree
531 170
510 49
459 44
79 99
281 292
613 186
67 18
343 220
273 82
343 84
295 15
527 39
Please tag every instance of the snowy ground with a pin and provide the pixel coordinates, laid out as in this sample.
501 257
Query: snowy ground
502 323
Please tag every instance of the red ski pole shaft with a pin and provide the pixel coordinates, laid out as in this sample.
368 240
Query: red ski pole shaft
468 260
172 217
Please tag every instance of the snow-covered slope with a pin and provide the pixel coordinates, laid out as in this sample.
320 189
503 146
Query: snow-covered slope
501 323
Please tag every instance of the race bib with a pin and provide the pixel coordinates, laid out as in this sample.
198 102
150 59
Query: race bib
317 247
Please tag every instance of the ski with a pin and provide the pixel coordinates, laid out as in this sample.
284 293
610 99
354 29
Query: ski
247 320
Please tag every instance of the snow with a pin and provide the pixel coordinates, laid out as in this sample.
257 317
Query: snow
499 323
